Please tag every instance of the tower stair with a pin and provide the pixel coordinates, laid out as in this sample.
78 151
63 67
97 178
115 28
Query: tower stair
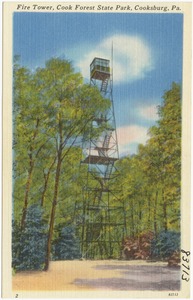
104 85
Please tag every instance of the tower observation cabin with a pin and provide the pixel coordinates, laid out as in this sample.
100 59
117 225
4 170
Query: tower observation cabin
100 69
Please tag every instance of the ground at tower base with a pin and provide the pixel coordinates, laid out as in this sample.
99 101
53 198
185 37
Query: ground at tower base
100 275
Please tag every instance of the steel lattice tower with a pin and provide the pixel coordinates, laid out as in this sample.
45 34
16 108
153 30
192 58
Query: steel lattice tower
101 218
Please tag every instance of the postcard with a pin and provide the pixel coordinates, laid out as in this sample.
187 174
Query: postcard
96 149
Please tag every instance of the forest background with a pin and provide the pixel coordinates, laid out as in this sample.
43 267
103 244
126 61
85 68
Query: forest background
53 109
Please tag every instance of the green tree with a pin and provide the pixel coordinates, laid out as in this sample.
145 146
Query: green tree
53 109
165 144
71 107
151 179
29 244
29 140
66 246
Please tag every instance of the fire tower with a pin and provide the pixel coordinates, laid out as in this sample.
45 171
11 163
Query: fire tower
101 217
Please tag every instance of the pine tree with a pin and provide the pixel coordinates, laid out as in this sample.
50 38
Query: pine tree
16 244
165 244
31 242
66 246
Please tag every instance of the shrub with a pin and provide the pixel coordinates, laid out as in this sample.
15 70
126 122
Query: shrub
138 247
166 243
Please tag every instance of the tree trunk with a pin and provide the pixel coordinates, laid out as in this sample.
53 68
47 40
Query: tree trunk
44 190
155 213
149 214
132 219
29 179
46 179
53 211
140 224
164 211
27 189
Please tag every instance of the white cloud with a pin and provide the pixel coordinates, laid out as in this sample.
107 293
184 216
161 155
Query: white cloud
149 112
132 57
129 135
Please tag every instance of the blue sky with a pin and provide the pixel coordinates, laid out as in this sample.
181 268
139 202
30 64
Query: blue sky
147 57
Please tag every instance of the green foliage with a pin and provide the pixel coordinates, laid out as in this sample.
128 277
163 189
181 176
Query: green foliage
66 246
16 245
52 111
151 179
